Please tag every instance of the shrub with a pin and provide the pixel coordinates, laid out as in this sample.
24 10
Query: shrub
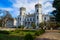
28 37
42 31
39 32
19 26
17 31
4 32
41 25
33 25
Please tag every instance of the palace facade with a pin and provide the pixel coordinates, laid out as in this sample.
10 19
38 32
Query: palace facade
26 19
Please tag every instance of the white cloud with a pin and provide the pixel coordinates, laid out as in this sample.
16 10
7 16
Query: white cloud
47 7
30 5
7 9
22 3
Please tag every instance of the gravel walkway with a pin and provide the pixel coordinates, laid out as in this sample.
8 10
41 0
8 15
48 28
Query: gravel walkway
49 36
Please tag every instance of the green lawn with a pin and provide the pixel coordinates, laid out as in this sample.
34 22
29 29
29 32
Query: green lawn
22 32
16 35
10 37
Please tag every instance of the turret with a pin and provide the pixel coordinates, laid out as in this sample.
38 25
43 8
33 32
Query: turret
38 8
22 16
22 11
38 14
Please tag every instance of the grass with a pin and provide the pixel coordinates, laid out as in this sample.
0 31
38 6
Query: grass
22 32
10 37
16 34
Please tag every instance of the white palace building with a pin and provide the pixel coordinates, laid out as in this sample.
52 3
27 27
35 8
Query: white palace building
25 19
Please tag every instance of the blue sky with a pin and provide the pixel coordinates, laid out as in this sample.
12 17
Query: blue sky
13 6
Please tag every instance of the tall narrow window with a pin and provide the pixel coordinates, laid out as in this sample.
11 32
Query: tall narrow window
45 18
33 19
37 10
37 17
30 19
20 18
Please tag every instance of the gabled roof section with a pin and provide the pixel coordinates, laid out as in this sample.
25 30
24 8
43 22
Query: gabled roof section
8 14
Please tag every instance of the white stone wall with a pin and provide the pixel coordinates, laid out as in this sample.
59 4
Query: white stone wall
29 21
22 18
38 15
46 18
15 23
9 23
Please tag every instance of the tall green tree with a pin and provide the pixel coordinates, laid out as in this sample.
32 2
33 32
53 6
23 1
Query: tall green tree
56 4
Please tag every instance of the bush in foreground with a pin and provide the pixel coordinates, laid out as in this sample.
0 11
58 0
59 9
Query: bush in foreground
28 37
37 33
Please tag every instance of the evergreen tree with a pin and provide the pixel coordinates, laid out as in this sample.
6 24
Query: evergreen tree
56 4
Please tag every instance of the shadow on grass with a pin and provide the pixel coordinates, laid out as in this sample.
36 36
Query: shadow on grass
10 37
44 39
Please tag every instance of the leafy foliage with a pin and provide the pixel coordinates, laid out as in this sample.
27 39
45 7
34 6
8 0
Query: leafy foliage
58 24
39 32
21 26
42 24
33 25
56 4
28 37
0 24
51 24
